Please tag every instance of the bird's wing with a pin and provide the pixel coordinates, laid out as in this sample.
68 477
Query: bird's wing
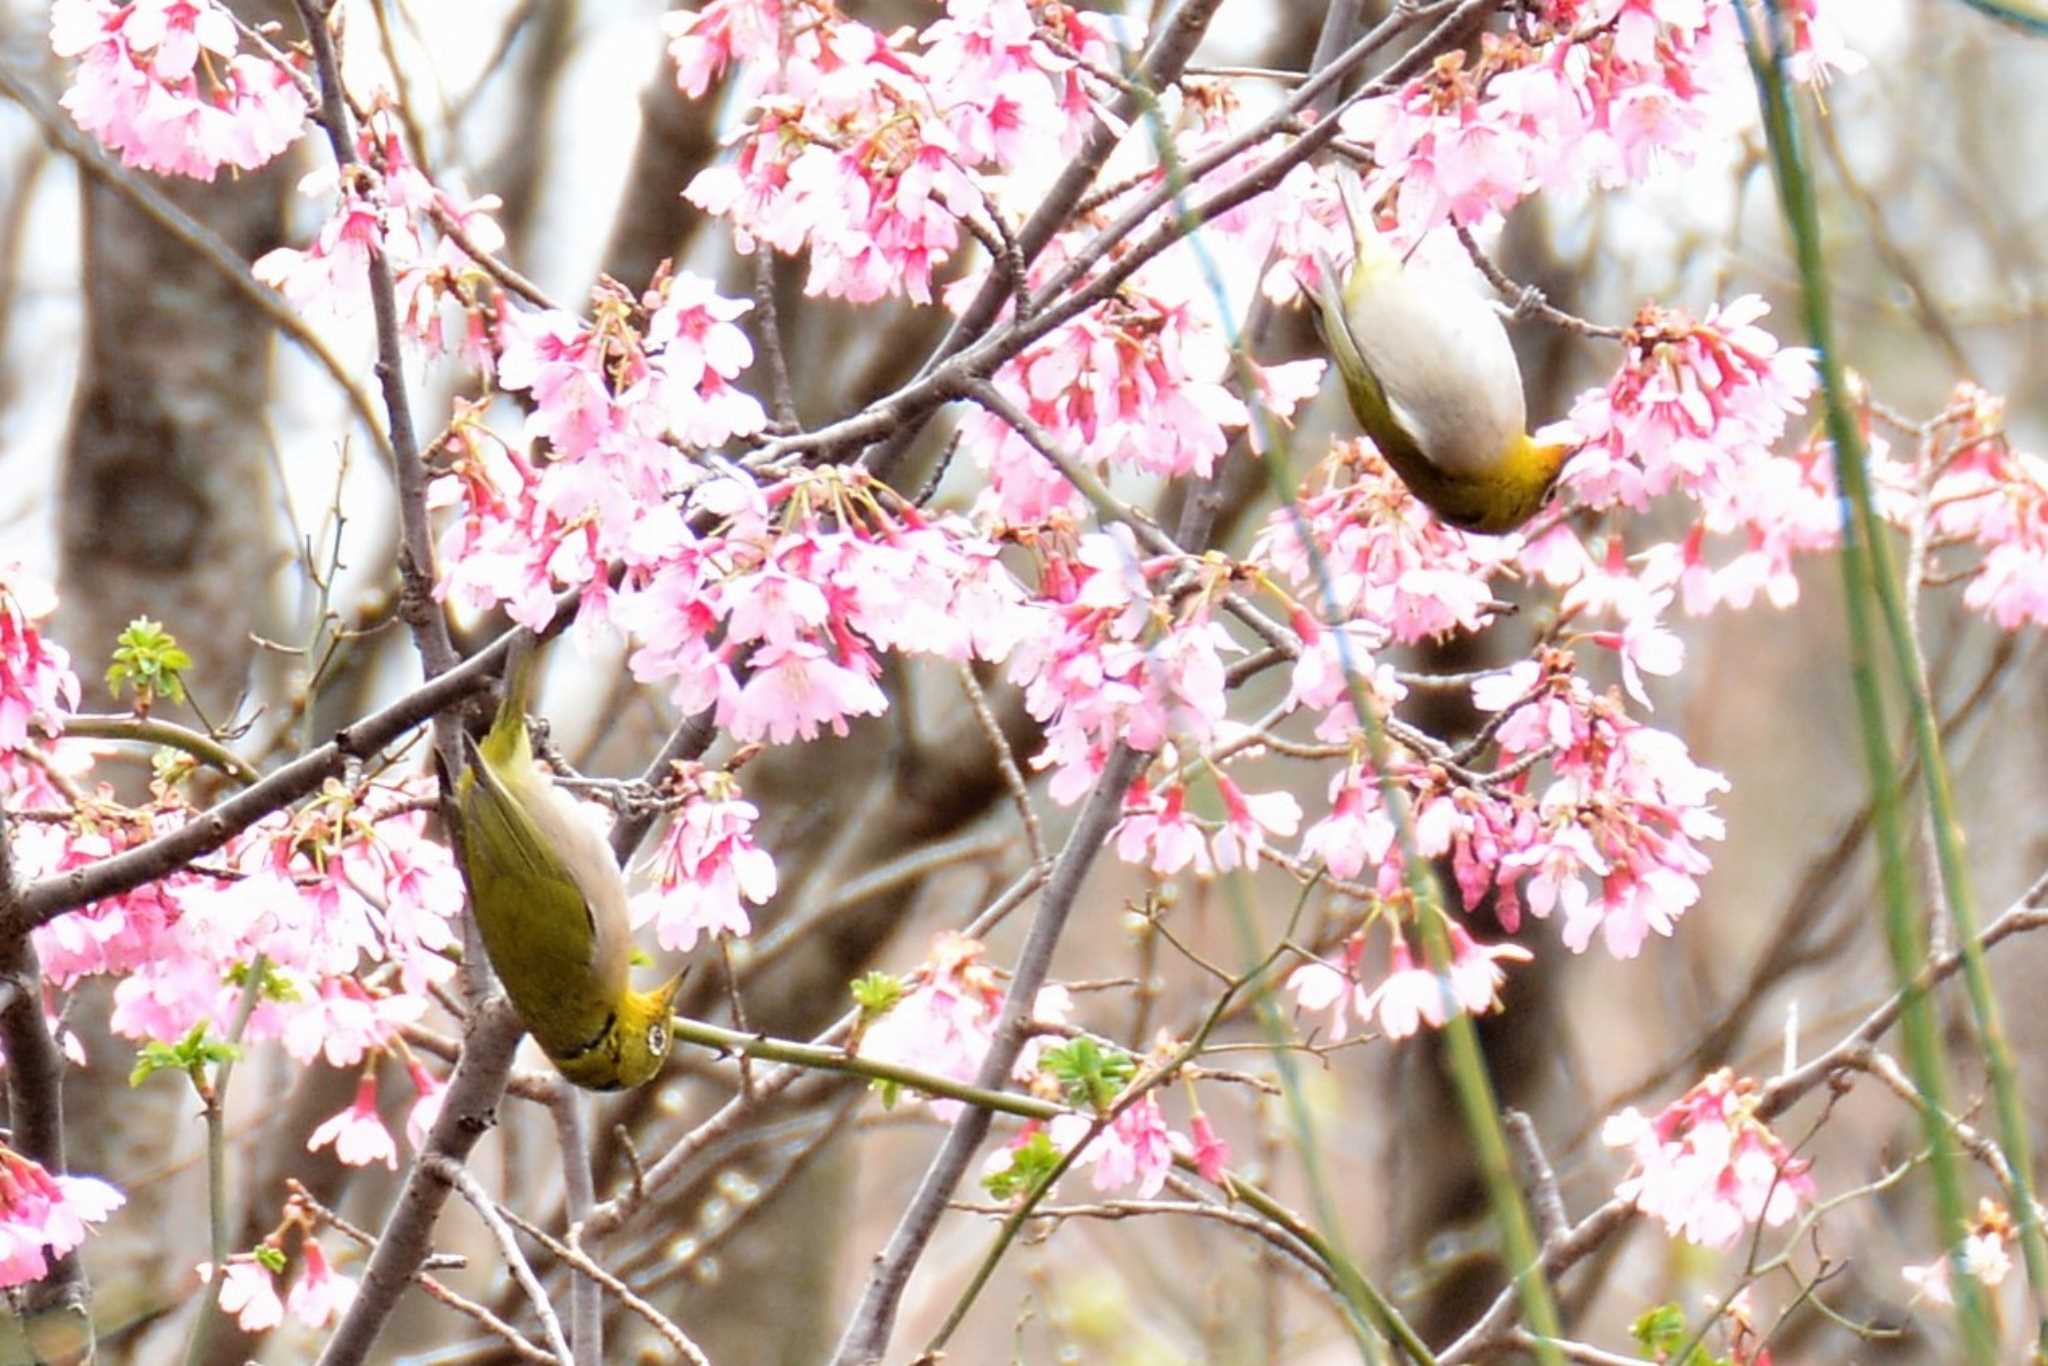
537 923
1369 400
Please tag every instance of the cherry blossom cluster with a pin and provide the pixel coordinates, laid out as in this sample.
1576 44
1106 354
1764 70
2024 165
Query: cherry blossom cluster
44 1216
357 1132
1598 816
37 685
1410 996
1986 1256
1697 408
1707 1166
1389 562
387 207
864 146
1591 91
776 614
944 1023
620 399
1116 660
706 865
1144 381
1993 498
166 86
1611 839
248 1291
945 1019
338 917
308 902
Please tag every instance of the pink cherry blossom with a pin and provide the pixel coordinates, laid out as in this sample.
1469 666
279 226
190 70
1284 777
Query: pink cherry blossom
1211 1153
1409 997
44 1216
707 867
1135 1151
1320 985
1985 1255
1390 561
1248 819
945 1022
357 1133
1161 834
162 83
320 1294
248 1292
37 685
432 1091
1707 1166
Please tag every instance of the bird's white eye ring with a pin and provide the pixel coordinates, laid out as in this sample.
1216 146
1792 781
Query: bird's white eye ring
657 1038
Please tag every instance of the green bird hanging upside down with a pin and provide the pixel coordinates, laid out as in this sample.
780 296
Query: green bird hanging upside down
551 904
1432 378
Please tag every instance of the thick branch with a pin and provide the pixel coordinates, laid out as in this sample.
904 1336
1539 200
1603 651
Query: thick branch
467 1114
49 897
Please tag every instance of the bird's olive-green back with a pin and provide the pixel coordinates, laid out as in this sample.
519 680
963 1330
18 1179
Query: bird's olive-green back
536 922
550 903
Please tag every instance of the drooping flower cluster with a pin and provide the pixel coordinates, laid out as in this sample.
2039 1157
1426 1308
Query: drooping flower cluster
44 1216
1114 662
620 399
386 206
316 896
1411 995
164 84
1697 408
1143 381
1993 498
776 615
1616 830
1707 1166
706 865
863 146
1592 92
1389 560
37 686
248 1291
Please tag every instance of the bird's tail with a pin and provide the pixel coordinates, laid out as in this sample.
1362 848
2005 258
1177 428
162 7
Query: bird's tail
1374 256
508 728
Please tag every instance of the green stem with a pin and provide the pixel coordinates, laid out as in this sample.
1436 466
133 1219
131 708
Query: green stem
1867 583
149 731
213 1100
825 1059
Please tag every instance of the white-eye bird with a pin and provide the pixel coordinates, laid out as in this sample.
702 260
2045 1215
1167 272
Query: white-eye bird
551 904
1432 378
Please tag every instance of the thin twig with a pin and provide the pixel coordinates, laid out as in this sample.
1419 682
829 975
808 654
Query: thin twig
578 1261
508 1247
1006 764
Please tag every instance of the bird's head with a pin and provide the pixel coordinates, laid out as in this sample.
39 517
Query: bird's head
645 1033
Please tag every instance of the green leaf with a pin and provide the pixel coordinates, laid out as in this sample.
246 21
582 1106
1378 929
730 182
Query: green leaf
275 986
271 1257
188 1055
1088 1073
1659 1330
1030 1164
148 658
876 993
